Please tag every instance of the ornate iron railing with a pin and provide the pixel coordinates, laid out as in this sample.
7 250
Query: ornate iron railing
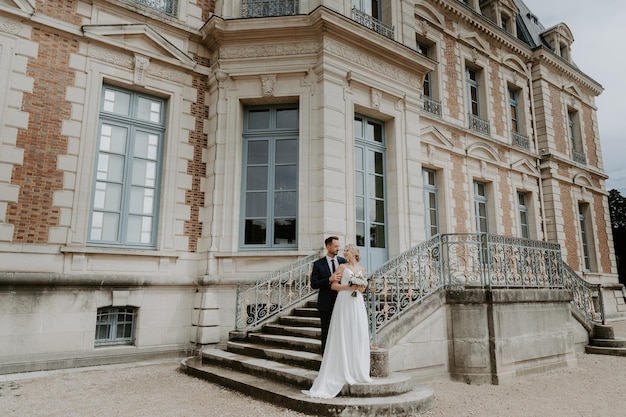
449 261
587 298
460 261
169 7
402 282
266 8
519 140
579 157
372 23
431 105
273 293
478 124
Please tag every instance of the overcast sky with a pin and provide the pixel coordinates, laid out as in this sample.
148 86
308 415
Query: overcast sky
599 31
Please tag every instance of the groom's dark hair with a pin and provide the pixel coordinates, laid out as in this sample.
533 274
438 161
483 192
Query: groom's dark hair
330 239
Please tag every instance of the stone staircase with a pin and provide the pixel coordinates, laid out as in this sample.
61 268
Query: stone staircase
276 363
605 341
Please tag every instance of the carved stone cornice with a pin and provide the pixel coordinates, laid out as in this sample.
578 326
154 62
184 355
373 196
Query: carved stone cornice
130 62
10 26
269 50
371 62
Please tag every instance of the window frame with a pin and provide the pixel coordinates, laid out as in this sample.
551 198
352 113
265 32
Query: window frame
481 200
523 214
586 238
133 125
113 313
431 189
473 85
272 135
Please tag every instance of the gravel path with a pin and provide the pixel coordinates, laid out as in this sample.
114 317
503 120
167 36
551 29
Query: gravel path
157 389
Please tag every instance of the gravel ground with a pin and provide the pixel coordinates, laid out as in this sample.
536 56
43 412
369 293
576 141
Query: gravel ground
595 387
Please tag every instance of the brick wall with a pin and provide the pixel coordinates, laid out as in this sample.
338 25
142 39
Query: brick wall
38 176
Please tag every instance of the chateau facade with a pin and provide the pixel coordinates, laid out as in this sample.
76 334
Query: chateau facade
156 153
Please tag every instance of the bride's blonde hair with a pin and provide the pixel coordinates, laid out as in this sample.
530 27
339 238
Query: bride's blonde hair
354 249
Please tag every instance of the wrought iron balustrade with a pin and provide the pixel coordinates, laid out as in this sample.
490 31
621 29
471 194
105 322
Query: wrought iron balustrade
372 23
450 261
267 8
169 7
273 293
587 298
520 140
431 105
471 260
579 157
478 124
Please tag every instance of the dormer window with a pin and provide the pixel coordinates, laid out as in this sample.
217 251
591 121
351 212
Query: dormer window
559 38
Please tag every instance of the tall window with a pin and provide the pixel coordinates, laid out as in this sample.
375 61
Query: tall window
585 238
125 198
473 92
370 7
424 49
480 207
431 210
115 326
270 177
513 110
522 209
575 137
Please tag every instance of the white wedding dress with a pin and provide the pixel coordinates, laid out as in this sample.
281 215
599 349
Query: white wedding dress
347 356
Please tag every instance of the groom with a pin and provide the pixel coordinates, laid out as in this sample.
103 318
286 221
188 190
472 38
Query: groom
322 276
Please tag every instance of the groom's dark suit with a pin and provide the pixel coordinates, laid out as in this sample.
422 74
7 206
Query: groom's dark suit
326 297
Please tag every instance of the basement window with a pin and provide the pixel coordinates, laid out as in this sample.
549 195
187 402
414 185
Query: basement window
115 326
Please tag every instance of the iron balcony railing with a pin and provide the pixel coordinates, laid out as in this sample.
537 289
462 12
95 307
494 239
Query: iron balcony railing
520 140
579 157
478 124
372 23
266 8
587 298
273 293
450 261
431 105
169 7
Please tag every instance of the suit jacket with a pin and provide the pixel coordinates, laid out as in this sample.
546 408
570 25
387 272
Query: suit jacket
319 280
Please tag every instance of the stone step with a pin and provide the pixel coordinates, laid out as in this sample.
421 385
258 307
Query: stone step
394 384
614 343
411 403
266 368
303 359
305 312
615 351
291 342
299 331
299 321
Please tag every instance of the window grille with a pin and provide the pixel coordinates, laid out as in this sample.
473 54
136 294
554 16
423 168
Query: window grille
115 326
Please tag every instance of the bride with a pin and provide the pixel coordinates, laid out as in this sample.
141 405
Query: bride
347 355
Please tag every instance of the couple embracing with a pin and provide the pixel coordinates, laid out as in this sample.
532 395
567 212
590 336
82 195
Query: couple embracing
345 334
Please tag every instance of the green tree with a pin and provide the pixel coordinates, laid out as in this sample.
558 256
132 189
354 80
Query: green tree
617 209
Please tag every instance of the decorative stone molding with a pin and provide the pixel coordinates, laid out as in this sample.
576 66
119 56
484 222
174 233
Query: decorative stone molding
268 82
10 26
111 57
142 64
165 73
268 50
376 97
370 62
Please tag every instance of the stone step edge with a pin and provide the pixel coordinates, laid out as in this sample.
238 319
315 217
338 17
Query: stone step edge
412 403
597 350
395 384
304 359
